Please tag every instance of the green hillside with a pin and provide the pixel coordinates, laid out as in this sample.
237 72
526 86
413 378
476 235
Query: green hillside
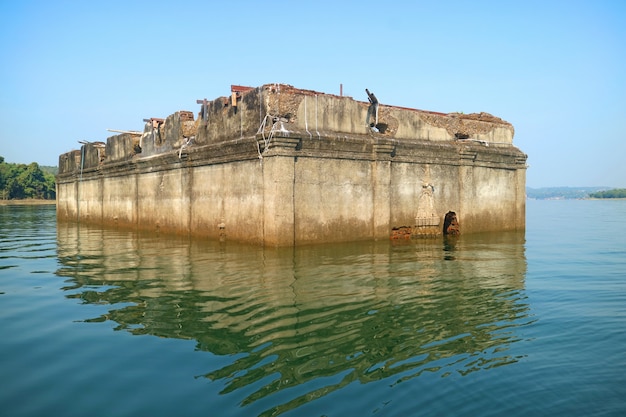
21 181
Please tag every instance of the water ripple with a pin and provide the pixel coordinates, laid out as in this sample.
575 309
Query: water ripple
352 329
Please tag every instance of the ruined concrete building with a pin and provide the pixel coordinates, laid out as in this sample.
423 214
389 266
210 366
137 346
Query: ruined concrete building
282 166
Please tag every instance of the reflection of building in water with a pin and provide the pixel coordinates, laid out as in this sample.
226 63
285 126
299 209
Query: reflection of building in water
366 311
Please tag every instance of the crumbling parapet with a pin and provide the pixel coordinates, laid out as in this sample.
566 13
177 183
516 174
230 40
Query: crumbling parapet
167 135
70 161
119 148
291 112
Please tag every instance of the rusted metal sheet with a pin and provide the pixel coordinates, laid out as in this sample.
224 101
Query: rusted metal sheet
240 88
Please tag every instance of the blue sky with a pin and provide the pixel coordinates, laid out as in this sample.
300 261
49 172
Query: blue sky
555 69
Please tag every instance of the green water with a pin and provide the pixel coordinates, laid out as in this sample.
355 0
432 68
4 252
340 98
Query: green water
112 323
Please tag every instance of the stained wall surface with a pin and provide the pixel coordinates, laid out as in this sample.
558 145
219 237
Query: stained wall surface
280 166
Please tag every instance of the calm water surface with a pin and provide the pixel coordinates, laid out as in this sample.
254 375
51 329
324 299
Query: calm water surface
111 323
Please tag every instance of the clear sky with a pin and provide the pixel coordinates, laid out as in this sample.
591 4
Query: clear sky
555 69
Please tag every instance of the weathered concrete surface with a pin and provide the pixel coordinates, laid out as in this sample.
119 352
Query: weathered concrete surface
287 167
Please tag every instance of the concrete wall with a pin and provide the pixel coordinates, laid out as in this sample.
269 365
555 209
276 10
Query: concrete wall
228 201
315 172
292 197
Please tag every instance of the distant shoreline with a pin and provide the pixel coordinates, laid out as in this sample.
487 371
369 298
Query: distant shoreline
26 202
574 198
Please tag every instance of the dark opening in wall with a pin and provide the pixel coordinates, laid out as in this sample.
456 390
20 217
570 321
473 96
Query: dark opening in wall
451 224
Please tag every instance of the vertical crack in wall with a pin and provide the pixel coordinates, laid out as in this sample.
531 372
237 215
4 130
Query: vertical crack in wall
293 200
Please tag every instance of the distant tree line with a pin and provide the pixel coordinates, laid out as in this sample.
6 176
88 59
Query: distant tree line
548 193
615 193
21 181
